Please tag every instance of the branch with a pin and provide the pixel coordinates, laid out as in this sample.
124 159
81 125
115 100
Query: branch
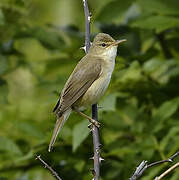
96 142
167 171
143 166
54 173
95 131
87 25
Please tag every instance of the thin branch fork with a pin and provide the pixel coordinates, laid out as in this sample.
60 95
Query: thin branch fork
143 166
95 131
54 173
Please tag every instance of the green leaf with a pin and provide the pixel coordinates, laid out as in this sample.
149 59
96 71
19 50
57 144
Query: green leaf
114 10
163 7
21 81
80 133
161 70
8 145
30 129
168 138
32 49
27 156
49 39
109 119
158 23
165 111
152 65
132 74
109 103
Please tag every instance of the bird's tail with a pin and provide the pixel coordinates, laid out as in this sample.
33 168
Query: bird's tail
59 124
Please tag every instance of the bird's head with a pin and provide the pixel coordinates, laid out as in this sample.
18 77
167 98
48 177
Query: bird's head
105 45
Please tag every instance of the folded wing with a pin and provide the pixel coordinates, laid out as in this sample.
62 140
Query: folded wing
85 73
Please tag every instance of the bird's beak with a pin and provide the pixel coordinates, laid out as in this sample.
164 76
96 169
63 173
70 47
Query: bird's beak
117 42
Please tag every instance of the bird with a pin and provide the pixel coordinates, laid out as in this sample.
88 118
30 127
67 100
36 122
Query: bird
88 81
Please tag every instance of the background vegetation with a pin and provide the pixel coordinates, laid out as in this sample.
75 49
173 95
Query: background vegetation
39 47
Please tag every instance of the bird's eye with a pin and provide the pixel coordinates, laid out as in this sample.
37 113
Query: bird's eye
103 44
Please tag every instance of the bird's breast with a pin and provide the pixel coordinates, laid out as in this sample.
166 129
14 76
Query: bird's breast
97 89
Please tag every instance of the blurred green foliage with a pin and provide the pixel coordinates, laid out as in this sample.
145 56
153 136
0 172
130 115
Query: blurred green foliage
39 46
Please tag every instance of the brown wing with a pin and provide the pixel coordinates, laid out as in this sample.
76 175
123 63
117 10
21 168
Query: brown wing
85 73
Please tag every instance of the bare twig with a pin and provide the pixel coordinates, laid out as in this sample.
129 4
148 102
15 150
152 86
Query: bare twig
54 173
167 171
143 166
95 130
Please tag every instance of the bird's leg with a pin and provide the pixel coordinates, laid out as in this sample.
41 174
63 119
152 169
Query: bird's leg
94 122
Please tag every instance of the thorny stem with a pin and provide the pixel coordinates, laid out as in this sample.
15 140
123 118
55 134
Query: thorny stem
87 25
95 130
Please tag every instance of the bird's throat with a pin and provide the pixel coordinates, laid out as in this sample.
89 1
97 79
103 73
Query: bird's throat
110 53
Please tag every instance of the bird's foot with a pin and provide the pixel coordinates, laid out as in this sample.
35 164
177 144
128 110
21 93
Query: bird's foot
94 123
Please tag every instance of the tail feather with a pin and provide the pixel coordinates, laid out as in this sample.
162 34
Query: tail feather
58 126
